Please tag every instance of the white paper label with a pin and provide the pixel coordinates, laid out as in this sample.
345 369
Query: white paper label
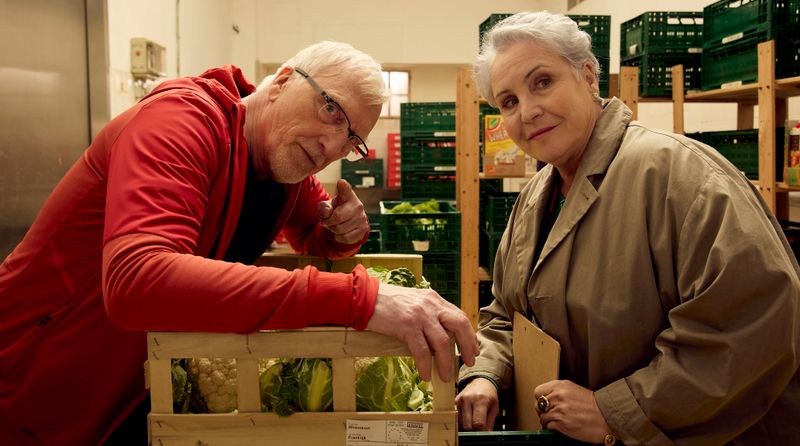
386 432
732 38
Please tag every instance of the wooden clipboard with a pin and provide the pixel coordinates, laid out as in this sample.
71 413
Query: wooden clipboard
536 361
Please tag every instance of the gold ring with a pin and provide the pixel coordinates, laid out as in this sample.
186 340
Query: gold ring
543 404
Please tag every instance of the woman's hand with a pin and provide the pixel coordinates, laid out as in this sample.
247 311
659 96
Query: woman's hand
572 411
478 405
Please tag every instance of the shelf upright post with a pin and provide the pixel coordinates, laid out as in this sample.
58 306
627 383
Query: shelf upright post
467 183
629 88
766 122
677 99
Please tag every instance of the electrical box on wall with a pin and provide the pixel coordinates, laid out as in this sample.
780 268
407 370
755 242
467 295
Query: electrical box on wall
148 59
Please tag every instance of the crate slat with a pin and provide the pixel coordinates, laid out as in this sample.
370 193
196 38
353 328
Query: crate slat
297 429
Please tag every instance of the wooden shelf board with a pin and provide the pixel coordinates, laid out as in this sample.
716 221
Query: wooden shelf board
784 187
483 275
483 176
784 88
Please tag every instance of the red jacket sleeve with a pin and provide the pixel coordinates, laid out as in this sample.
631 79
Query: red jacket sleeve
161 171
148 285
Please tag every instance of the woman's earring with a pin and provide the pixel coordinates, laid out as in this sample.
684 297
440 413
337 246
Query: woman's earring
596 97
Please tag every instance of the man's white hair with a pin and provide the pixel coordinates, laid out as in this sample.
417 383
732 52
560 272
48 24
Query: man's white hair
328 57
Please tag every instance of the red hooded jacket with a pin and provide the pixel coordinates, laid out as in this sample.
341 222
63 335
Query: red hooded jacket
130 240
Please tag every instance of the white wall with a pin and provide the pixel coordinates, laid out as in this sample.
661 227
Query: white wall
203 38
398 32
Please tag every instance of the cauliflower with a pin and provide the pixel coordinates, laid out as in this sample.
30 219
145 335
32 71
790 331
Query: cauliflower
217 381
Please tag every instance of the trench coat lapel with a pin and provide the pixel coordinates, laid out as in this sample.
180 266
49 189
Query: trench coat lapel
601 150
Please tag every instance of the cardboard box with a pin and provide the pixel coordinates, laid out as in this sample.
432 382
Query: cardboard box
501 156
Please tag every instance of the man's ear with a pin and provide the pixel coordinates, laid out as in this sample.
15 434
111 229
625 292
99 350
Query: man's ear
279 81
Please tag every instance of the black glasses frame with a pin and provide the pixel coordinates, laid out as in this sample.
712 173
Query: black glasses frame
354 139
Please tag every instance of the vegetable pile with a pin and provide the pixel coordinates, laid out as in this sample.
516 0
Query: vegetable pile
288 385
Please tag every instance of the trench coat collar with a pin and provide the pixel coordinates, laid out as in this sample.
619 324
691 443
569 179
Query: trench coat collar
600 151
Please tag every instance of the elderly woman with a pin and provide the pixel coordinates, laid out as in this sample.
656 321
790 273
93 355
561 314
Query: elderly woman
649 257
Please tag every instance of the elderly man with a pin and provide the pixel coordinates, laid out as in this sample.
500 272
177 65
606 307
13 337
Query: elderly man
154 228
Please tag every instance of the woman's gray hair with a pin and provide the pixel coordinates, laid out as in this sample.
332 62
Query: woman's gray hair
556 31
329 58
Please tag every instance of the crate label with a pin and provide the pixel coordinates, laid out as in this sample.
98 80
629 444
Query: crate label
732 38
386 432
453 134
731 84
444 168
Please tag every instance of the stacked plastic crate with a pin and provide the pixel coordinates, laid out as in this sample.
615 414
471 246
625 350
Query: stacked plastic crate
434 235
428 154
740 147
734 28
393 173
496 208
655 42
597 26
428 149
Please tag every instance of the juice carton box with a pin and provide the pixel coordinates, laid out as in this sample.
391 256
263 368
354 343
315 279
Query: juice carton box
501 156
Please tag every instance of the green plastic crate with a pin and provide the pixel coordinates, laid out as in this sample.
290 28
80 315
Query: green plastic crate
487 249
516 438
428 153
373 244
655 72
364 173
498 209
597 26
740 147
426 119
727 21
737 63
431 232
662 32
428 183
443 271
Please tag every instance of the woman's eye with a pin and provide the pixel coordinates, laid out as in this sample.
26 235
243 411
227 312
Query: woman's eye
508 102
543 82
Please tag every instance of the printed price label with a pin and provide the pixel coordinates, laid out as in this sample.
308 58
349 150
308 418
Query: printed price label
386 432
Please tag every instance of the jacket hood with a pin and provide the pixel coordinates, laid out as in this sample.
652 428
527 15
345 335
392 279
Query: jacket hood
227 85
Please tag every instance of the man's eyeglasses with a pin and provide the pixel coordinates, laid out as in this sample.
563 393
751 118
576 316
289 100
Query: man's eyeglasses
331 113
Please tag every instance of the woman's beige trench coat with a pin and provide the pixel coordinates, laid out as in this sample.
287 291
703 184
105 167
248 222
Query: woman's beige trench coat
668 284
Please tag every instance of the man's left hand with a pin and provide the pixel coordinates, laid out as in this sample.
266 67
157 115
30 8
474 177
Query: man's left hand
344 216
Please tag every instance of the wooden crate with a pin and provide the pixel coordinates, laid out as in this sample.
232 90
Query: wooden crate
345 265
249 426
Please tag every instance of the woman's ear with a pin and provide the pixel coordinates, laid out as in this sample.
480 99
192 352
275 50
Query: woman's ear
589 75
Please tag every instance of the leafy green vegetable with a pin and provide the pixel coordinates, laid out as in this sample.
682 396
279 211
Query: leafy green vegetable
390 384
296 385
306 385
406 207
398 276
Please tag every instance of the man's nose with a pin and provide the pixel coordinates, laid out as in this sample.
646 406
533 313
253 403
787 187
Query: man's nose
335 145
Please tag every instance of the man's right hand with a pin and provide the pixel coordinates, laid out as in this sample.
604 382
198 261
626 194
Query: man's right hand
421 318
